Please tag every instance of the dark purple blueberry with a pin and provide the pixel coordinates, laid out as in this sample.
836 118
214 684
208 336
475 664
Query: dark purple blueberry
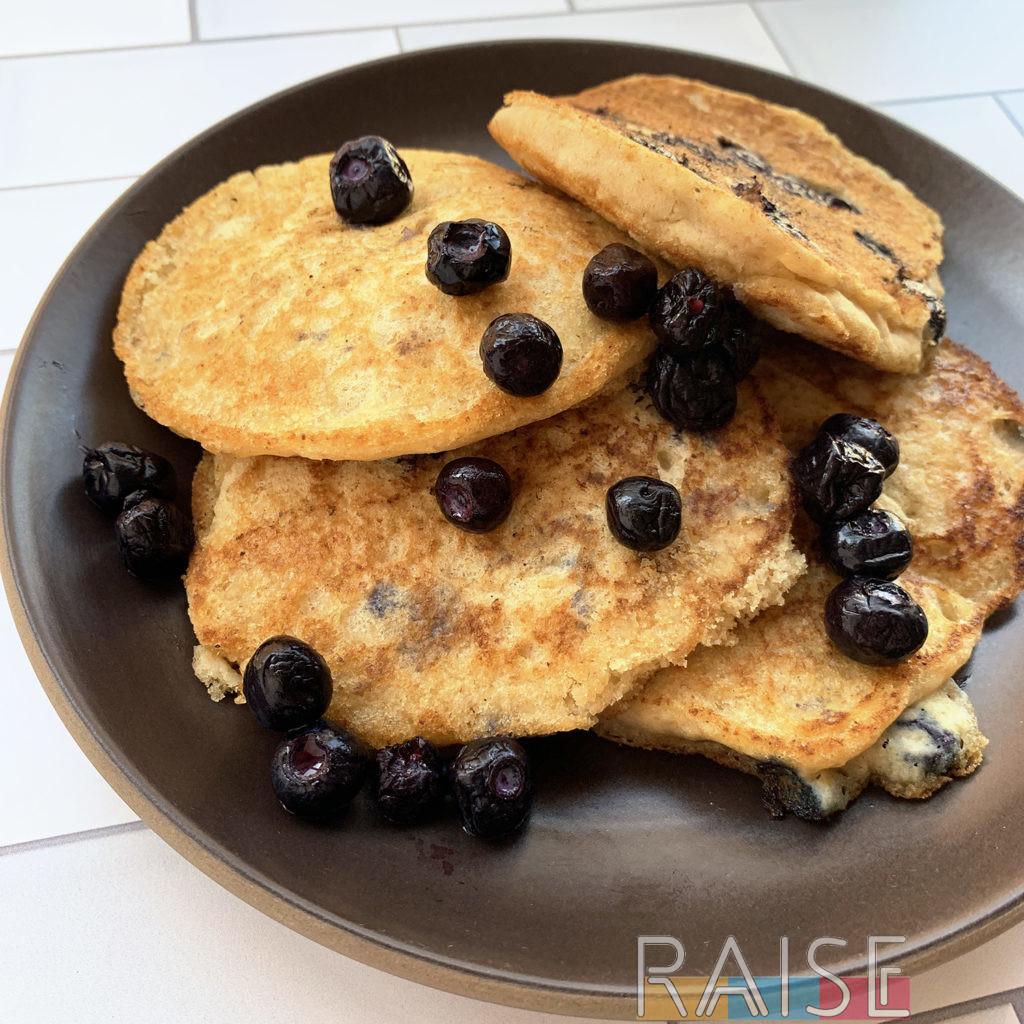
411 781
465 256
286 684
872 543
492 785
688 312
741 340
370 183
643 512
874 621
619 283
694 393
136 498
521 354
111 472
316 772
154 539
474 493
868 434
837 478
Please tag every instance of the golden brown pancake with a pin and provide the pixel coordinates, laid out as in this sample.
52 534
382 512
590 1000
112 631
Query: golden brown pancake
812 238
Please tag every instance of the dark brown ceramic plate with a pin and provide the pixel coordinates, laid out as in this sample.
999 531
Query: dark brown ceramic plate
622 843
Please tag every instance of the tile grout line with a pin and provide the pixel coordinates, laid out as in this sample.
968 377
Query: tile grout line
193 21
1004 107
759 17
104 831
74 181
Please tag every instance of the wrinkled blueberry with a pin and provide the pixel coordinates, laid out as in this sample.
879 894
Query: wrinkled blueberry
643 512
474 493
316 772
696 393
521 354
874 621
872 543
785 790
868 434
688 312
493 788
837 478
370 183
411 781
286 684
154 539
619 283
741 341
115 470
466 256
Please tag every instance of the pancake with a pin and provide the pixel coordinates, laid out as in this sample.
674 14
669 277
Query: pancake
812 238
532 628
782 697
259 322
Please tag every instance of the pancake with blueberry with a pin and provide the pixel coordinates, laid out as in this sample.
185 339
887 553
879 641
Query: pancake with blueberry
783 702
453 611
811 237
261 321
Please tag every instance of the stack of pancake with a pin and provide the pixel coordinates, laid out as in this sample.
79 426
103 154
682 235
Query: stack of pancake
329 381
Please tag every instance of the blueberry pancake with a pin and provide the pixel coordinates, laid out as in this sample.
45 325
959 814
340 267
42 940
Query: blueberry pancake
260 322
782 699
531 627
812 238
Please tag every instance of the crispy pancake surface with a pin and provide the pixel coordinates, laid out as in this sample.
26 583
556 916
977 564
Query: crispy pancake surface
258 322
783 694
812 238
532 628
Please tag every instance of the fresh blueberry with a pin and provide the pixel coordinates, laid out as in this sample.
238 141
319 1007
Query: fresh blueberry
868 434
154 539
874 621
521 354
411 779
474 493
644 513
872 543
619 283
115 470
466 256
286 684
493 788
692 393
837 478
370 183
317 771
688 312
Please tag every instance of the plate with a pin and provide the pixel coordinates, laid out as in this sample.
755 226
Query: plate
622 843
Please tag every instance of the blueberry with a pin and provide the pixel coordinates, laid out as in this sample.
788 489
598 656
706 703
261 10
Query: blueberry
619 283
521 354
114 470
785 790
874 621
741 340
692 393
370 183
837 478
154 539
316 772
688 312
644 513
465 256
493 788
872 543
868 434
474 493
924 743
410 781
286 684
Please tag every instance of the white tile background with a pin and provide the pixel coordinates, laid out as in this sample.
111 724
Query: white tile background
99 920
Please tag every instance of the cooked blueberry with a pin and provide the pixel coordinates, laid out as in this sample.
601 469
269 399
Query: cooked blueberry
872 543
741 340
465 256
643 512
493 788
114 470
924 743
785 790
687 312
370 183
136 498
695 393
868 434
411 779
316 772
521 354
286 684
619 283
154 539
474 494
874 621
837 478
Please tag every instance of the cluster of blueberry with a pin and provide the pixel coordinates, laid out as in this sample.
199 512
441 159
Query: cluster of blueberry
839 475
